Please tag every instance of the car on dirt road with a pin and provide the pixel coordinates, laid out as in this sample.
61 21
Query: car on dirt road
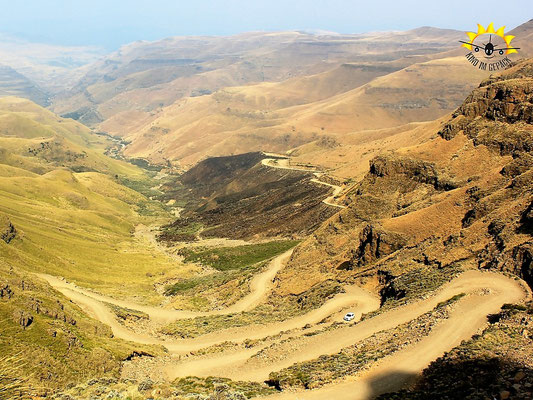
349 316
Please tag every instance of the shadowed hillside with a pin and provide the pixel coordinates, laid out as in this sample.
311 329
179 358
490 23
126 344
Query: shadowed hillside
240 198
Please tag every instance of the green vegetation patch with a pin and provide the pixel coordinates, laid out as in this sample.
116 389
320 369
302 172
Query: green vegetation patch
127 313
451 300
182 230
413 285
238 257
202 283
52 342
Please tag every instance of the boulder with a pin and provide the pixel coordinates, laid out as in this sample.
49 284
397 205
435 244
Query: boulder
23 318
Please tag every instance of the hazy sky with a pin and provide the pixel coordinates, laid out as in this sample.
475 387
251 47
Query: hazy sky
110 23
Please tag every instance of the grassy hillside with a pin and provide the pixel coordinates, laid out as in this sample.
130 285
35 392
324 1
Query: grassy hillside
72 215
47 342
63 211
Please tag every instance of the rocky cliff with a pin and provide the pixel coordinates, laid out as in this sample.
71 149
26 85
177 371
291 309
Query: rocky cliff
463 199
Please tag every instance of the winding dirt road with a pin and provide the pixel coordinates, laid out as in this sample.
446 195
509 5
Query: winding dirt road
486 293
330 201
260 287
94 304
284 163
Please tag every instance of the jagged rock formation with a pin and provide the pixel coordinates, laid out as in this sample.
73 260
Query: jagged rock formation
463 199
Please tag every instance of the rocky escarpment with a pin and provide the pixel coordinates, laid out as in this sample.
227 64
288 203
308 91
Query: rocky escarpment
463 199
373 244
417 170
499 113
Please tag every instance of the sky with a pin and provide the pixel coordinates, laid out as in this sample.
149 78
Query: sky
111 23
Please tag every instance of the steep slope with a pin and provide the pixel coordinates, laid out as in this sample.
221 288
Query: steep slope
241 198
64 198
461 199
55 218
14 84
49 343
365 94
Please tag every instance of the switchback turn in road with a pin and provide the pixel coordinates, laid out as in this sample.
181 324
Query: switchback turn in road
486 293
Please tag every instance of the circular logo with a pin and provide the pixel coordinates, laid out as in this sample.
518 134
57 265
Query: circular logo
489 48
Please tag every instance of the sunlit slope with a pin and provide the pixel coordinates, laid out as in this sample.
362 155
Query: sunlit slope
347 156
37 140
282 116
268 95
421 92
143 76
382 86
79 226
72 215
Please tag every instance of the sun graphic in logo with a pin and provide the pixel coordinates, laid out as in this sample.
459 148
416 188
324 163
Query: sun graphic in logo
491 47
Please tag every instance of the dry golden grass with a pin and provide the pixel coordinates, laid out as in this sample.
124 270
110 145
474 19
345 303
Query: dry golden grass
12 384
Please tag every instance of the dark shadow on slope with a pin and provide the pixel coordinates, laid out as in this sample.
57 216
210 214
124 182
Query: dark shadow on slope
385 383
450 379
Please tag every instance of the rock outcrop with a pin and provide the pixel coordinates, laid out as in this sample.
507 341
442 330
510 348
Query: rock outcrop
463 199
499 113
7 229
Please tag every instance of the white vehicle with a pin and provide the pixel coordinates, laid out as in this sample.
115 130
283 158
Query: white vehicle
349 316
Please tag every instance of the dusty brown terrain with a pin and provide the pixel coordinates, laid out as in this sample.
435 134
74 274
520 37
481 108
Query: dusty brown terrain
144 76
461 198
417 232
429 244
197 108
241 197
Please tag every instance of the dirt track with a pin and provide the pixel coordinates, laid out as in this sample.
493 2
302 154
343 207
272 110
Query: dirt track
467 319
283 163
260 286
486 294
94 305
